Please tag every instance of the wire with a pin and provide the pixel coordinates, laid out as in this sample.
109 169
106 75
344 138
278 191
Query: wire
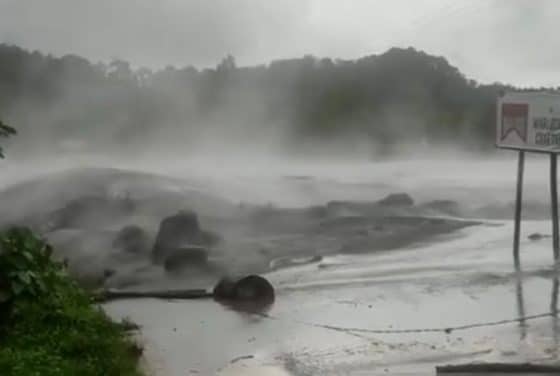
446 330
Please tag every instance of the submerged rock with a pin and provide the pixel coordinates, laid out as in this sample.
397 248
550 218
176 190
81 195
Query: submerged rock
537 236
184 257
252 288
397 199
180 231
224 289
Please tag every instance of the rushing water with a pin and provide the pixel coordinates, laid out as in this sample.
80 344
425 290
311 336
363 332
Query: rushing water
326 315
462 280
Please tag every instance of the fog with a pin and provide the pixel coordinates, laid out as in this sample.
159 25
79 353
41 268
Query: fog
307 107
200 33
271 158
355 171
104 146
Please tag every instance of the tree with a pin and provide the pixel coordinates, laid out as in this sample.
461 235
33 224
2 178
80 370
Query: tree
5 131
227 64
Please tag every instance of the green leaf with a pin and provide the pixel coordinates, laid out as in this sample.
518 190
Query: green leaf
29 243
32 274
24 277
27 255
31 290
17 288
18 262
41 285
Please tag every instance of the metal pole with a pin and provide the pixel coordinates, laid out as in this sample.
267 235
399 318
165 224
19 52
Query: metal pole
554 311
520 305
518 200
554 204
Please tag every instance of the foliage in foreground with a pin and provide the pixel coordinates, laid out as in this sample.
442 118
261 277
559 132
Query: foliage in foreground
52 328
5 131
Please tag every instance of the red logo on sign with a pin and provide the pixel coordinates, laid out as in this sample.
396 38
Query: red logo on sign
515 117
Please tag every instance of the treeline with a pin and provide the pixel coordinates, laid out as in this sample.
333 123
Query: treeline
401 96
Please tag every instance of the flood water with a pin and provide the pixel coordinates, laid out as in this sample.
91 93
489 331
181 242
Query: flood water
466 279
331 317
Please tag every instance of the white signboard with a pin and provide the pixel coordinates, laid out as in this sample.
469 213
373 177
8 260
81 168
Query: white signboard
529 121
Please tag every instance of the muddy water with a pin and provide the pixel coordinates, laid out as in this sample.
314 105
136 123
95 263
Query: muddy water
465 279
324 315
301 183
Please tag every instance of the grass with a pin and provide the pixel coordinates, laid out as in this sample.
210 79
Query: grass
61 333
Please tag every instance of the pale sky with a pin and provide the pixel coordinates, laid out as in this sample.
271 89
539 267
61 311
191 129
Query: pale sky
514 41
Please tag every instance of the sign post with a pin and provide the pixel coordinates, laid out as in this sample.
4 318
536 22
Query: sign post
518 201
530 121
554 202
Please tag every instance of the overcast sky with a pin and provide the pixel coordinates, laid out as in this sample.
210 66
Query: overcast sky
516 41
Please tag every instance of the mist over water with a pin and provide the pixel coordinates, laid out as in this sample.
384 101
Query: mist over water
367 191
283 180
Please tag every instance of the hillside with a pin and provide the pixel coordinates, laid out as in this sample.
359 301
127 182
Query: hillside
402 96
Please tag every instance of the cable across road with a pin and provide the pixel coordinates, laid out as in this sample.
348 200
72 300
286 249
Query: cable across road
446 330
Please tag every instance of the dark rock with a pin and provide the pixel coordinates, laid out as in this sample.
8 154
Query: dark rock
184 257
132 239
108 273
180 231
224 289
397 199
209 238
254 288
537 236
251 288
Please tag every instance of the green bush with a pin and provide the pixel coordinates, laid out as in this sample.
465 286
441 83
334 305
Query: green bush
53 329
26 266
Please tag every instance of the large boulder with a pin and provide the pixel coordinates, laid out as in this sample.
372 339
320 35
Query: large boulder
181 258
224 289
253 288
180 231
397 200
132 239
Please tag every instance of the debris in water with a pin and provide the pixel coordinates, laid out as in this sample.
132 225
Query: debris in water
239 358
537 236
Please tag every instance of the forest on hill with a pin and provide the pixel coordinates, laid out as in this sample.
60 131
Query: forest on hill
402 96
